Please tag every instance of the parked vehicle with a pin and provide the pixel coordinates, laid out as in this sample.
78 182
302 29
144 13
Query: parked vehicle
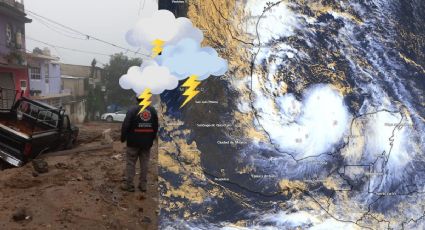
30 128
111 117
112 108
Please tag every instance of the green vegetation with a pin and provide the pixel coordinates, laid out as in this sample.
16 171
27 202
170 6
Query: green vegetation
118 66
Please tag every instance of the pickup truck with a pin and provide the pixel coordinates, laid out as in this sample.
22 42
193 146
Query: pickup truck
30 128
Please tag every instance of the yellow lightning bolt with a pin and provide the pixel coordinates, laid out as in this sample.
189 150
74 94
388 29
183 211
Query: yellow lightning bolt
145 97
157 47
191 92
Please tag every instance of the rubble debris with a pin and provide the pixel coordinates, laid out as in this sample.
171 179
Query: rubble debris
146 220
61 165
79 178
20 215
117 157
19 181
78 150
115 224
106 137
40 166
87 177
89 138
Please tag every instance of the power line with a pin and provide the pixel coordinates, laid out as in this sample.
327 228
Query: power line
66 48
39 17
141 7
71 29
57 30
55 47
20 50
86 35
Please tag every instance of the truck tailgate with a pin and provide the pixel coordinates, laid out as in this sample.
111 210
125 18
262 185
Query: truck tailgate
12 146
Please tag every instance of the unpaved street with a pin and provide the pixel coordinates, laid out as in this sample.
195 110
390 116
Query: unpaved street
80 191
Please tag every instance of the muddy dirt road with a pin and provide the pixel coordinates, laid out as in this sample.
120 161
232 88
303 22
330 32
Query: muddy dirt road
80 191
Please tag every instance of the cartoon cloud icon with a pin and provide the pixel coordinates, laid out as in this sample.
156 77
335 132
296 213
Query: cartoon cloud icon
160 28
188 58
148 76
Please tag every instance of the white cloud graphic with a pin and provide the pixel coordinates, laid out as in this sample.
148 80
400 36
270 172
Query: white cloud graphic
163 25
187 58
149 75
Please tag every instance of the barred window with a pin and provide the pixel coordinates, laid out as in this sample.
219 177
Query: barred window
35 73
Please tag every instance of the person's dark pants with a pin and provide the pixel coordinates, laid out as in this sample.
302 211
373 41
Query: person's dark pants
132 155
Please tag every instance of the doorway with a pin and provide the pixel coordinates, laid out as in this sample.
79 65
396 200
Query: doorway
7 90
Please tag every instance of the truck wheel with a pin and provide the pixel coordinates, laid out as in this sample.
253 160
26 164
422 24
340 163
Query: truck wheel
109 119
70 144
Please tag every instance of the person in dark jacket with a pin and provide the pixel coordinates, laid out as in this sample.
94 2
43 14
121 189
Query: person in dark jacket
139 130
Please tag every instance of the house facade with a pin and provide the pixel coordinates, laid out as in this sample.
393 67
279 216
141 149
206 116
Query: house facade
71 87
93 74
13 66
86 85
44 73
77 105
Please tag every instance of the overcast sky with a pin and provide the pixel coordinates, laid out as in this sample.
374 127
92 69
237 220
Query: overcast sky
108 20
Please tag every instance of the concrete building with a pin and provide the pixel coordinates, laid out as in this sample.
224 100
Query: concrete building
77 102
83 84
75 86
13 68
46 83
63 85
44 73
94 75
77 106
